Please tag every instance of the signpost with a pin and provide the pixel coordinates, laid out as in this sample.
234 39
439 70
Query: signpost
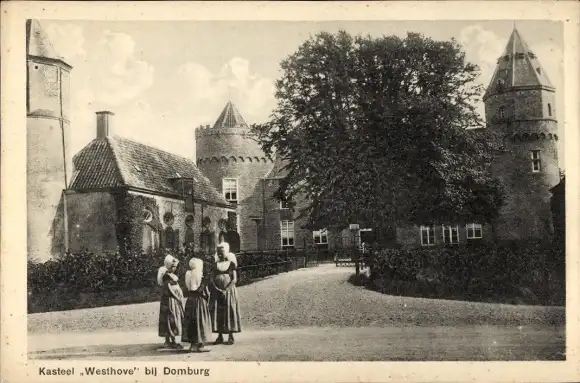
354 227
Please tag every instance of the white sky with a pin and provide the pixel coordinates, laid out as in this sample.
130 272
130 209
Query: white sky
164 78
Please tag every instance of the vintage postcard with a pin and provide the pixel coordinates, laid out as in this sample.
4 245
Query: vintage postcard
290 192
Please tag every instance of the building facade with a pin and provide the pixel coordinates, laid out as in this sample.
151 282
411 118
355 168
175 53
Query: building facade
520 105
229 154
124 193
47 135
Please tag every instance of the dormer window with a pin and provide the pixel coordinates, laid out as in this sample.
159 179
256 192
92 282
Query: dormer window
520 55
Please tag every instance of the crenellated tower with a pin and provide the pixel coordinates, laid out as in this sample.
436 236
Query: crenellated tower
229 154
520 105
47 128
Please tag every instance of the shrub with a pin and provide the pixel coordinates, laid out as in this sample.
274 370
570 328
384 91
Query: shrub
107 273
529 273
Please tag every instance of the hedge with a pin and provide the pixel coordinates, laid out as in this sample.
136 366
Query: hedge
530 273
57 283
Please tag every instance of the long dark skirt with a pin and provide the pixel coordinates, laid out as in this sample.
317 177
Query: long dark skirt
225 312
197 321
170 317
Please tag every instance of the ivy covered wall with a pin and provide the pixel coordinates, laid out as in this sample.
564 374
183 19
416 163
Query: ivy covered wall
132 222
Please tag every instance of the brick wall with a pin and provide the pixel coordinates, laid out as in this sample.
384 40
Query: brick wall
234 153
93 216
529 124
410 236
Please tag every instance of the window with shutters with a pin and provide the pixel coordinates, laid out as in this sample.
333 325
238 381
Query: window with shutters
450 234
287 234
230 189
427 235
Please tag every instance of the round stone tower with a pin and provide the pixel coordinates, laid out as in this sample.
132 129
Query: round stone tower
520 105
233 160
47 128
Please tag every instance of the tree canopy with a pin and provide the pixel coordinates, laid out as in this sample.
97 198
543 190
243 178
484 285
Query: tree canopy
374 129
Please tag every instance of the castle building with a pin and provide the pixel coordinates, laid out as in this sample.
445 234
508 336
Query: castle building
520 106
520 103
47 129
231 157
123 192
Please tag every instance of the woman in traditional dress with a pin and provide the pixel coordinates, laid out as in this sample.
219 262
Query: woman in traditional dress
224 300
197 321
171 307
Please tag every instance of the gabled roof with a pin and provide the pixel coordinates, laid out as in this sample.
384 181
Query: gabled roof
518 66
230 117
119 162
560 187
38 43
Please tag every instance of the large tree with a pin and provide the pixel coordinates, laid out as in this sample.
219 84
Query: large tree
374 129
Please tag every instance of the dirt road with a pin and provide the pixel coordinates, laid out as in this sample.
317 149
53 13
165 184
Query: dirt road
315 314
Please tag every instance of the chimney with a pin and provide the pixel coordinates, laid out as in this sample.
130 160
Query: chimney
104 124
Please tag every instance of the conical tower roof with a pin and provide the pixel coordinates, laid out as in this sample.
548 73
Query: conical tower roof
230 118
518 66
38 43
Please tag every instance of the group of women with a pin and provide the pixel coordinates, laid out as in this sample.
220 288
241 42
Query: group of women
208 305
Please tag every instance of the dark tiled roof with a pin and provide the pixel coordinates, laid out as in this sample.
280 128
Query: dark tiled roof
116 162
560 187
518 66
95 167
230 117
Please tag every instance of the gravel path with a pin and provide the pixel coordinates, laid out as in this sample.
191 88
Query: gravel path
314 297
316 315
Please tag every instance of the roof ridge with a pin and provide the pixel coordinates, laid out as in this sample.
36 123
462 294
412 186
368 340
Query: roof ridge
116 159
152 147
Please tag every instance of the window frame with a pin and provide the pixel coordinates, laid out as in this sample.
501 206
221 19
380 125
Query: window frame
224 180
536 161
287 202
321 236
473 226
287 230
430 237
450 229
501 112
